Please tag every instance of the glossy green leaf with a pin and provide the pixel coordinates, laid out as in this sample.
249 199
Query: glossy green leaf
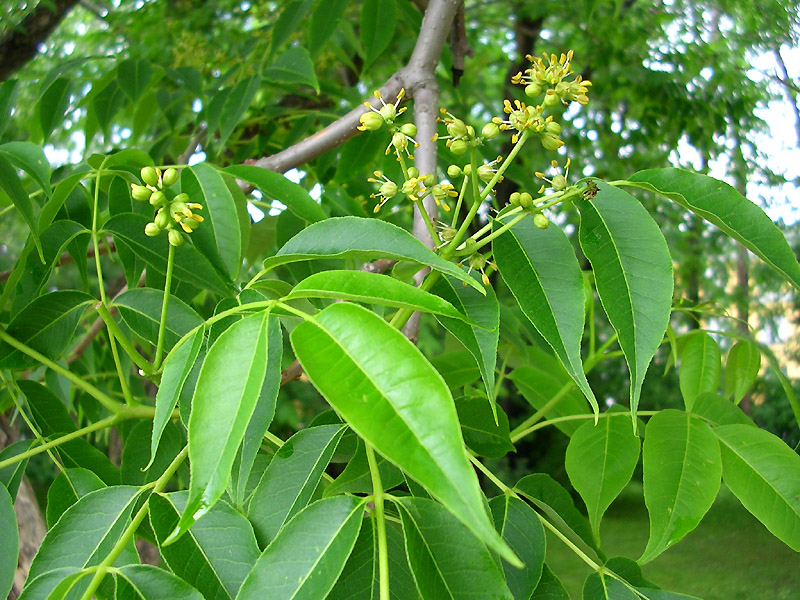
550 587
53 104
457 368
520 527
30 158
357 154
741 369
481 433
8 95
218 237
701 367
682 470
717 410
236 103
274 186
720 204
215 555
68 487
106 103
394 399
600 461
304 561
224 399
600 586
10 537
540 387
136 467
291 478
10 184
146 582
366 239
191 265
541 270
11 475
633 274
177 366
357 479
293 67
378 21
764 473
324 22
87 531
133 76
431 534
373 288
480 338
48 585
140 308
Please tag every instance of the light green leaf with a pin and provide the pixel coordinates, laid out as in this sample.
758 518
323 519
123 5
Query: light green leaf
431 534
236 103
68 487
53 105
720 204
141 310
46 325
10 537
479 337
147 582
395 400
378 21
274 186
633 274
741 369
293 67
10 184
701 367
600 461
682 470
133 76
485 428
324 22
304 561
46 584
372 288
550 587
30 158
291 478
366 239
719 411
227 390
287 22
540 387
357 479
520 527
764 473
215 555
218 237
357 154
87 531
541 270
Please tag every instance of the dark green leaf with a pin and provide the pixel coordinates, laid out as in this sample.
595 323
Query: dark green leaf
741 369
30 158
633 273
8 95
133 76
481 434
324 22
378 21
136 468
356 477
10 537
11 475
701 367
601 586
293 67
146 582
236 103
53 105
287 23
10 184
541 387
70 486
357 154
141 310
550 587
457 368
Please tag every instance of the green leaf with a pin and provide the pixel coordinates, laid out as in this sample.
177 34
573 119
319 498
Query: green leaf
11 475
720 204
719 411
633 274
10 537
324 22
601 586
378 21
287 23
550 587
541 270
366 239
293 67
396 401
224 399
764 473
136 468
701 367
53 105
236 103
191 265
357 479
291 478
540 387
219 237
741 369
68 487
30 158
682 470
481 337
177 367
46 325
600 461
106 103
274 186
305 559
133 76
8 95
147 582
457 368
481 433
372 288
215 555
141 310
440 573
520 527
10 184
357 154
87 531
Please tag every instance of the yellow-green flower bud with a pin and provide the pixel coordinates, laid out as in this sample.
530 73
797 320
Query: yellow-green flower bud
413 172
553 127
371 121
175 237
525 200
486 172
551 142
453 171
189 225
458 147
457 128
152 230
428 179
490 131
467 170
477 261
448 233
514 198
400 141
533 90
551 98
541 221
409 129
162 219
559 182
150 176
158 198
178 210
140 193
184 197
170 177
388 189
388 112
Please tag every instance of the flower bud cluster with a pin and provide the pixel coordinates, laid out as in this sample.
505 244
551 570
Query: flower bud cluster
402 135
549 75
170 213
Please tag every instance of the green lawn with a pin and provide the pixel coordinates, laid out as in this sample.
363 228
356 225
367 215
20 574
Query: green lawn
730 556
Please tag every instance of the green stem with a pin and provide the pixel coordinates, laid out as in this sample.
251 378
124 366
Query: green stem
461 194
162 325
556 420
426 217
111 404
95 244
506 163
489 475
380 522
121 375
115 330
494 235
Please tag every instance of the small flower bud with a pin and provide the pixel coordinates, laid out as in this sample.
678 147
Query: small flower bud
477 261
525 200
170 177
162 219
457 128
140 192
388 112
175 237
388 189
533 90
551 142
152 230
178 210
453 171
550 98
189 225
559 182
409 129
413 172
428 179
553 127
514 199
490 131
158 198
371 121
184 197
150 176
467 170
400 141
448 233
485 172
541 221
458 147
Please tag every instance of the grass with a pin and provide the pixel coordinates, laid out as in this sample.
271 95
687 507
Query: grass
730 556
